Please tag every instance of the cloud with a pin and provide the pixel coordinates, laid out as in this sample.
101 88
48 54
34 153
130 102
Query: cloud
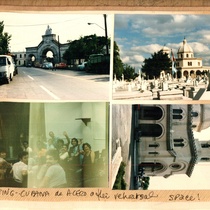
147 48
146 34
138 58
125 59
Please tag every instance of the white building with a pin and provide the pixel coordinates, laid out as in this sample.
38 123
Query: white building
167 145
186 63
20 58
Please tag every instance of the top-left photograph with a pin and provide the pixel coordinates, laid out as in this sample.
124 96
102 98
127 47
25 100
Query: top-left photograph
55 56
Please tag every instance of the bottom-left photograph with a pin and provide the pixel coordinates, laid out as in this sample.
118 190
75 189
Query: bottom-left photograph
54 145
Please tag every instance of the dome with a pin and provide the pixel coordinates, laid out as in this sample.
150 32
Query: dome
185 48
165 50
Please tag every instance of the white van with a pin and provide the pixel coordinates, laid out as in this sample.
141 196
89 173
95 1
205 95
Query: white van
7 68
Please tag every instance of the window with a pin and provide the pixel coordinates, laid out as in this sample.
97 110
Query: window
179 143
153 153
175 166
152 166
177 111
177 114
150 113
205 145
187 55
155 145
150 130
189 63
20 55
194 114
199 63
205 159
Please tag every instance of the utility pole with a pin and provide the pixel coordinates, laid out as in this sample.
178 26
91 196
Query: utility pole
105 26
59 51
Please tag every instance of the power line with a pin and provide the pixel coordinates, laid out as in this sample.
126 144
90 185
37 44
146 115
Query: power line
41 24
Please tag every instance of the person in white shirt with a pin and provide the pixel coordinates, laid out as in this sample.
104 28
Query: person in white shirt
55 176
20 170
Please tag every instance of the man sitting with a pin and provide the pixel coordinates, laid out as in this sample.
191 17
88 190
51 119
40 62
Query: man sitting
55 176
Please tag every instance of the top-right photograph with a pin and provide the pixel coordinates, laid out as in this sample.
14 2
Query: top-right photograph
161 57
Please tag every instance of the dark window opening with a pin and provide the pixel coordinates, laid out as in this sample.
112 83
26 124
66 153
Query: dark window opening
194 114
178 140
153 153
205 159
177 117
150 130
179 145
150 113
154 145
151 165
177 111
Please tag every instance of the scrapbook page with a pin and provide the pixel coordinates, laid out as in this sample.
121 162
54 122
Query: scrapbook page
104 104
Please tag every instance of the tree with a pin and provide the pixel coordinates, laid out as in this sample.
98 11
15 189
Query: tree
145 183
157 63
129 72
118 64
84 47
4 39
120 183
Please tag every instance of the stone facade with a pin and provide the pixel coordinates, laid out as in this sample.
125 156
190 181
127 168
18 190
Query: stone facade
166 144
49 43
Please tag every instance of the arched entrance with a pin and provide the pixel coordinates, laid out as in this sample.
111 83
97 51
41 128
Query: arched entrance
31 59
49 54
49 49
185 74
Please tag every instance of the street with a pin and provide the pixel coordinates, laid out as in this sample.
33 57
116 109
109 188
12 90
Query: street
43 84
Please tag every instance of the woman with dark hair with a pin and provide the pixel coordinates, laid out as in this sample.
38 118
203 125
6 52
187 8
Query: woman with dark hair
88 166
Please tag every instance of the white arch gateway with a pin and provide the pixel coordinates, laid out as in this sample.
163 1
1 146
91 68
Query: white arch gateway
49 43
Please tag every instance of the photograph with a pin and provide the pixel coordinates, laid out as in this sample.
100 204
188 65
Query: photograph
160 147
161 57
54 145
55 56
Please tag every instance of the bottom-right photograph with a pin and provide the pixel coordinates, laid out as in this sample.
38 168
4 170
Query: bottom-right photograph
160 146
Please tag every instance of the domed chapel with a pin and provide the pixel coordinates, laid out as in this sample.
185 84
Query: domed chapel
186 63
166 145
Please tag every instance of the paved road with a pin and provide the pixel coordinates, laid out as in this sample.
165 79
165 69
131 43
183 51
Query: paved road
40 84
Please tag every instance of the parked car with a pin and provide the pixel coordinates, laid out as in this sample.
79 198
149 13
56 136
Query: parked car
60 65
47 65
82 66
7 68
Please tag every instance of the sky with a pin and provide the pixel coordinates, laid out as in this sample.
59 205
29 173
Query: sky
27 28
140 35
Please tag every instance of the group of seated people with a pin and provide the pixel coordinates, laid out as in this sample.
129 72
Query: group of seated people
55 165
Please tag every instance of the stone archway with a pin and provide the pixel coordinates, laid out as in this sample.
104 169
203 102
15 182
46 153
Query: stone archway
186 74
48 43
31 59
45 57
